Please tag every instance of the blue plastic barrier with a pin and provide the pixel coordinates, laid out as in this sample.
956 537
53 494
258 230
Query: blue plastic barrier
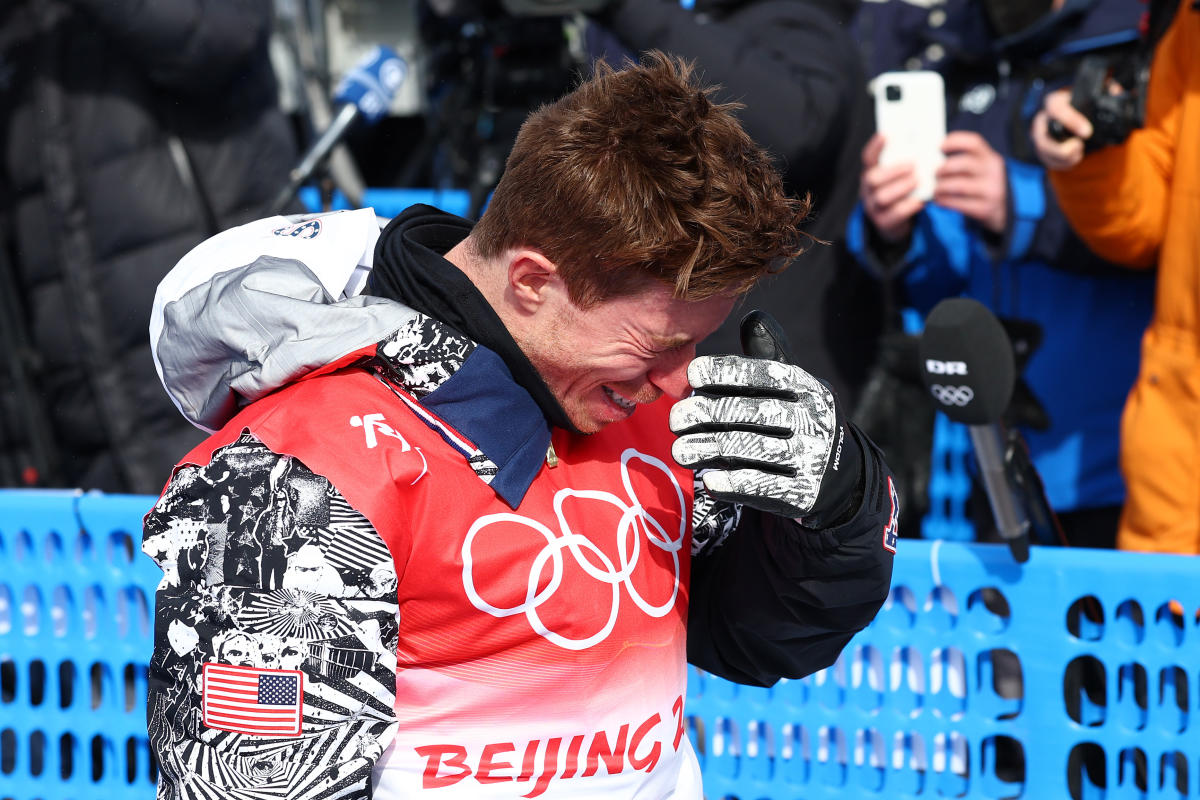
975 667
949 482
76 595
981 678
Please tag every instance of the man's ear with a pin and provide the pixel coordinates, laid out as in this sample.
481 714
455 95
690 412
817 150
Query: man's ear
532 279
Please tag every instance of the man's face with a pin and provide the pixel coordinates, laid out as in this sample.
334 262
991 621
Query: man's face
602 361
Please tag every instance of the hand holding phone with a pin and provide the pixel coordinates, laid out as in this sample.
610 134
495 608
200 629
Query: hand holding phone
888 193
973 180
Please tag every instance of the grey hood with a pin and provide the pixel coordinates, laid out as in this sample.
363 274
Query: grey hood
259 306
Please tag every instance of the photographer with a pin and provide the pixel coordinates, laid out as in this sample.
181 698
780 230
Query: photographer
994 233
1136 204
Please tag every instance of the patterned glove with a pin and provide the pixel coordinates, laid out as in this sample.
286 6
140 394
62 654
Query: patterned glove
768 434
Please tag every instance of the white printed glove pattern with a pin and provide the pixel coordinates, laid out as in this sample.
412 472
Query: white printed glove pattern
765 431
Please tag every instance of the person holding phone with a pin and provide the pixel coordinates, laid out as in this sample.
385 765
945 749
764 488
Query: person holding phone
989 228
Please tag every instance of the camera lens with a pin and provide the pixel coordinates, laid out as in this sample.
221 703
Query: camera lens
892 93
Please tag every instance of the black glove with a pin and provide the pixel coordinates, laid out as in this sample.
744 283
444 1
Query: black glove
767 433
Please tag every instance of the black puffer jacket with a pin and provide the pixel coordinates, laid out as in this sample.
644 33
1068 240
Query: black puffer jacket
129 132
796 69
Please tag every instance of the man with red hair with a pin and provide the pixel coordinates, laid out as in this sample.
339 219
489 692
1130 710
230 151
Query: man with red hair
539 505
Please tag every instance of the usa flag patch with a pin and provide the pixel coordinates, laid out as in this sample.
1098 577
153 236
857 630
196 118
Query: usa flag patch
891 532
260 702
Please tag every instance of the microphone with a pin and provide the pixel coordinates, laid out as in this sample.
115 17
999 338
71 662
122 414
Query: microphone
365 92
967 364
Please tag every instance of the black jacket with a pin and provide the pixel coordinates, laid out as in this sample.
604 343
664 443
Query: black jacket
795 67
130 131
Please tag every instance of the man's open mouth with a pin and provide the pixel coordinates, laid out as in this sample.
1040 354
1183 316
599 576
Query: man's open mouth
620 401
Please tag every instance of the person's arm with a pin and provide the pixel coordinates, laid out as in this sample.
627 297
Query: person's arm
779 590
773 599
894 234
1038 230
274 658
881 233
791 64
185 45
1117 198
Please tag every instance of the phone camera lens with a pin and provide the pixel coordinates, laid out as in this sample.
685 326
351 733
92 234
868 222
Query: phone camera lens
892 93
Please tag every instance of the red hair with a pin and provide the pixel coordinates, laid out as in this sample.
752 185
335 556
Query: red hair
638 176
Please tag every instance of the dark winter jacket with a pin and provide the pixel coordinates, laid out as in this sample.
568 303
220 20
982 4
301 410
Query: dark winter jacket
130 131
794 66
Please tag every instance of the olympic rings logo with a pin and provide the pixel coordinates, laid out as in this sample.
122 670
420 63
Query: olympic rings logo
952 395
635 524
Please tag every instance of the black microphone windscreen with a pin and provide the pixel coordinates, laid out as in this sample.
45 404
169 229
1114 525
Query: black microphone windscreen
967 361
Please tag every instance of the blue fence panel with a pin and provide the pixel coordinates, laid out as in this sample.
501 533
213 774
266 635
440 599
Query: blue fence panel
983 678
75 636
949 482
1072 675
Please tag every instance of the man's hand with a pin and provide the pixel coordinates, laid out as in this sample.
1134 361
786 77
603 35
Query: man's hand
886 193
1052 153
768 433
973 180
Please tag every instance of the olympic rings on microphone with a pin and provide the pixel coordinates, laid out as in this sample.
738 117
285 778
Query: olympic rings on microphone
635 524
952 395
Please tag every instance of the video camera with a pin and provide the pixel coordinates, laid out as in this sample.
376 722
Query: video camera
1113 115
491 62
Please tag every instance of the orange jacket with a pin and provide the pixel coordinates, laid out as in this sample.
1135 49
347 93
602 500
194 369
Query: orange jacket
1139 205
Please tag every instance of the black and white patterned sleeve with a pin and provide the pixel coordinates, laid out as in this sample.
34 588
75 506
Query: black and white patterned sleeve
712 520
273 672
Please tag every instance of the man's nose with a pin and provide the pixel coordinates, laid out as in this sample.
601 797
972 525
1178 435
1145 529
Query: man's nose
669 373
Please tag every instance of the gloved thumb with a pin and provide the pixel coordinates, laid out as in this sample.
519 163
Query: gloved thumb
839 494
763 337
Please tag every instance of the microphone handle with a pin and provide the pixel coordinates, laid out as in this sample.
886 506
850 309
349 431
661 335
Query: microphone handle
312 159
1011 522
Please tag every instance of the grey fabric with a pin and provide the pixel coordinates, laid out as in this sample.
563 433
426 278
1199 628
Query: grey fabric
255 328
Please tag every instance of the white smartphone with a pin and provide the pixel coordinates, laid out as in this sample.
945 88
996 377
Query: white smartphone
910 112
